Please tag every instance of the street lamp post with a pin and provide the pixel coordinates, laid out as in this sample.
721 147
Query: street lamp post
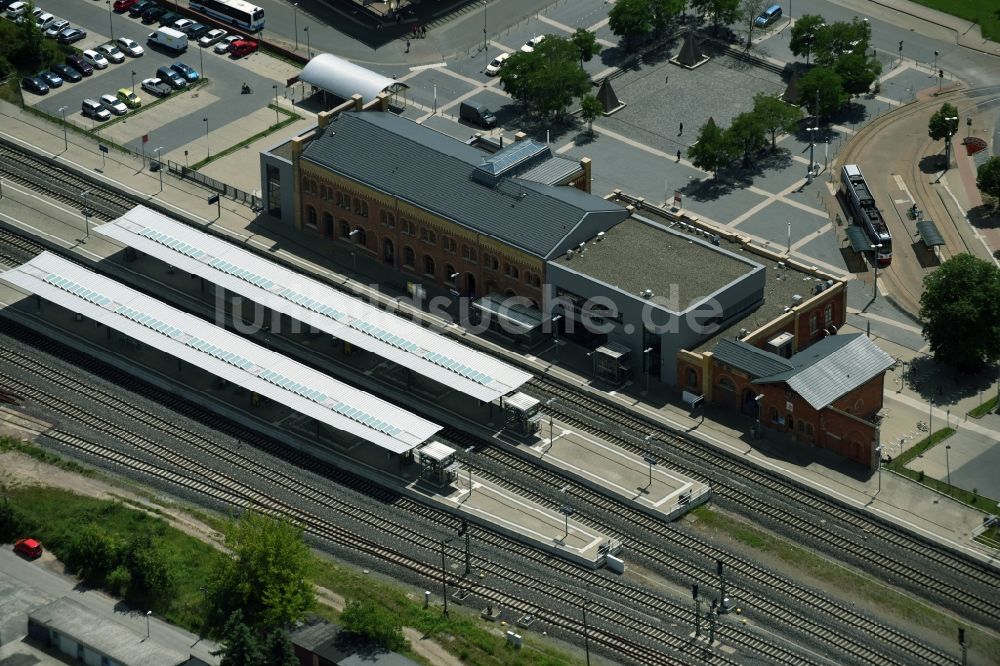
133 80
586 630
308 46
354 254
566 511
111 25
878 246
62 110
444 577
208 148
878 453
86 215
947 464
650 460
276 118
148 613
812 144
646 362
758 399
295 19
159 168
947 145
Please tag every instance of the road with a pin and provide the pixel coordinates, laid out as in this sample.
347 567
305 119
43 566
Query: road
42 575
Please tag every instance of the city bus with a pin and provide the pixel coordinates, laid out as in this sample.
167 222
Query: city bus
235 12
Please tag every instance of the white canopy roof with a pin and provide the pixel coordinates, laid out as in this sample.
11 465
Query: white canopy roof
224 354
344 78
312 302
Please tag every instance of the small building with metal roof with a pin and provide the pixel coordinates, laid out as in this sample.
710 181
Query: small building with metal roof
343 78
352 414
432 356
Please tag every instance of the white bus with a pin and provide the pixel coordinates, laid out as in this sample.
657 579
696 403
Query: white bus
235 12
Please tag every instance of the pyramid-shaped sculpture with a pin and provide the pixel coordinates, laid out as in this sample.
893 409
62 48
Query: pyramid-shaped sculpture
608 99
690 56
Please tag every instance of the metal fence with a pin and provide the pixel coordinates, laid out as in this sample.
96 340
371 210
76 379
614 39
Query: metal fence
236 194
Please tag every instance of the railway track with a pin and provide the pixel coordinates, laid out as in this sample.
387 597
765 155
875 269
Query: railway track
643 601
730 480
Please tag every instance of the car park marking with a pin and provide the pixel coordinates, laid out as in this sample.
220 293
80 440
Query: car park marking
418 68
568 30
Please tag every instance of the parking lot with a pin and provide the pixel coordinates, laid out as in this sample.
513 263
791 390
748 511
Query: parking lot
179 119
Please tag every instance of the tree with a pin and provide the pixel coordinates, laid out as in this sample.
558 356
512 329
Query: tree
775 114
841 38
828 85
278 650
630 20
960 308
150 574
240 646
804 34
366 619
586 43
720 11
939 127
663 11
93 554
746 136
265 577
988 177
548 79
857 72
711 151
749 11
590 108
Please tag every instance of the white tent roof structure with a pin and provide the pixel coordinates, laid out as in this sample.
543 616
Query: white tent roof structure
312 302
221 353
344 79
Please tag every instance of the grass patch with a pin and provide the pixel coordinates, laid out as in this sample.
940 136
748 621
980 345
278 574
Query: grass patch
41 455
845 580
289 119
55 516
984 409
982 12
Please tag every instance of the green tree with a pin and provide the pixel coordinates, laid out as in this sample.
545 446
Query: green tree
664 11
960 309
13 524
749 11
841 38
590 108
265 577
366 619
828 85
147 565
857 72
939 127
630 20
240 645
804 34
92 553
988 178
746 136
548 79
586 44
718 11
711 151
775 115
278 650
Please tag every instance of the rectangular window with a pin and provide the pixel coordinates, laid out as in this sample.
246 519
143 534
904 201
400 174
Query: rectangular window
273 191
468 253
828 313
813 327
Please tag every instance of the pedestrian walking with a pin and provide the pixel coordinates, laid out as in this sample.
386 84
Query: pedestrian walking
681 130
678 156
407 46
423 31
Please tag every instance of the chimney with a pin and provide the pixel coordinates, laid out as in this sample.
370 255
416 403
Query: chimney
359 102
520 136
585 162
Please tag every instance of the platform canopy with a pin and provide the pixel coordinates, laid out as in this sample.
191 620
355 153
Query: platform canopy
859 240
309 301
345 79
221 353
929 233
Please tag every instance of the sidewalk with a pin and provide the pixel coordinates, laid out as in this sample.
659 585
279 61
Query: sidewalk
900 500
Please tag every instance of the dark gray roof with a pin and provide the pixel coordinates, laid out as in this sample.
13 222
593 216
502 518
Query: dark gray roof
832 367
929 233
552 171
325 640
752 360
434 172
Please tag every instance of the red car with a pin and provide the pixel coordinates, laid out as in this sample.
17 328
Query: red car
122 6
29 548
242 47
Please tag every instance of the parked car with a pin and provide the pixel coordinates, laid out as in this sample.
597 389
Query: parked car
57 26
225 44
79 64
153 13
529 46
170 18
93 109
71 35
197 30
180 24
114 105
129 46
95 59
67 73
129 98
52 80
156 87
136 10
29 548
168 75
35 85
44 20
16 10
493 68
111 52
212 37
242 47
189 73
122 6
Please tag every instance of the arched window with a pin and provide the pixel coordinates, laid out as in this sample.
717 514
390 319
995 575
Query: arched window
388 251
311 217
449 270
726 384
345 229
429 265
327 225
409 257
338 198
364 209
